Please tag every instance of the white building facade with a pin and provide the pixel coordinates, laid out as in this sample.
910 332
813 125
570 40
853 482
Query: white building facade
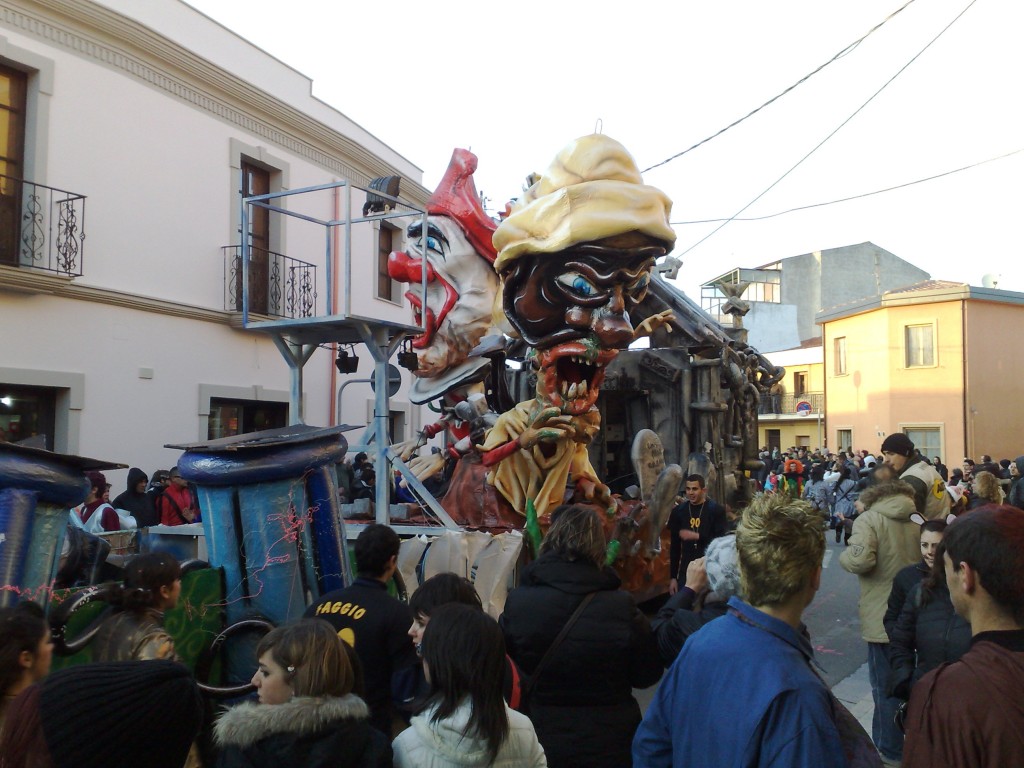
128 338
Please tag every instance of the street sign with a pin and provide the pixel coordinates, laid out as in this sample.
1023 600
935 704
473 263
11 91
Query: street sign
394 380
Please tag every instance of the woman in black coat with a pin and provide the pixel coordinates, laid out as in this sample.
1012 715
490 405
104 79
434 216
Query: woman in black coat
928 632
307 715
582 704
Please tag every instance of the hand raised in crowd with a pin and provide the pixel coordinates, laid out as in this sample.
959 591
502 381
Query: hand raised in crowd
697 575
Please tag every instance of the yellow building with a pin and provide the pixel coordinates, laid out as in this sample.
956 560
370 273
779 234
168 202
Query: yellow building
936 360
792 415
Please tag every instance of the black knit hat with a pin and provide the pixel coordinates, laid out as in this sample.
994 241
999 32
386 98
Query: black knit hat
899 444
122 714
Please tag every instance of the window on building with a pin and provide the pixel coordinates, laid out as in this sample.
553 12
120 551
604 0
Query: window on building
256 181
920 345
799 384
396 426
387 288
839 349
229 417
27 412
12 148
928 440
844 438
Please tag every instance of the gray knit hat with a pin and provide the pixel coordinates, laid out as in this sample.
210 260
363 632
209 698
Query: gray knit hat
722 565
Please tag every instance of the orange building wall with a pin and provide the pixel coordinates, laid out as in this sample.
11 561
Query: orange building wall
853 400
879 395
995 378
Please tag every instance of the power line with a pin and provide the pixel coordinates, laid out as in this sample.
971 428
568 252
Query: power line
833 133
802 80
851 197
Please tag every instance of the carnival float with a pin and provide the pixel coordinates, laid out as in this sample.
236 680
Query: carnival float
524 332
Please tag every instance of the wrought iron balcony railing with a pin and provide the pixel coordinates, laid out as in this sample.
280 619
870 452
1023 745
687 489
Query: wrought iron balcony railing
41 227
279 285
808 402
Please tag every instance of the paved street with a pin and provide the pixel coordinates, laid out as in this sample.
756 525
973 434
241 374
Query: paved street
832 620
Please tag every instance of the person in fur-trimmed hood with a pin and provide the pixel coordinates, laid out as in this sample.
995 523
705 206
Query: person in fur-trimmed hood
884 541
307 715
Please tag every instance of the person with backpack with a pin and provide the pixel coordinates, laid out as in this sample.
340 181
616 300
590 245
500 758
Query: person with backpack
816 490
841 496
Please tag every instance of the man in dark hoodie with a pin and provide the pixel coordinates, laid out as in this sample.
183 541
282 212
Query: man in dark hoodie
969 713
136 501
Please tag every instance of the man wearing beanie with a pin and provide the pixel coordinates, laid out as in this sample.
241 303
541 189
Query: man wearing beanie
114 715
930 497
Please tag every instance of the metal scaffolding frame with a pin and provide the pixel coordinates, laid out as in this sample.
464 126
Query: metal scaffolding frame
297 338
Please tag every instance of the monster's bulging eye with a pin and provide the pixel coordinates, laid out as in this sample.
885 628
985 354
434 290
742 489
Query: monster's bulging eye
639 287
577 284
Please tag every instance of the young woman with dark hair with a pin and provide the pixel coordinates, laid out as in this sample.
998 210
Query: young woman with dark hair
928 632
26 651
465 722
307 715
135 630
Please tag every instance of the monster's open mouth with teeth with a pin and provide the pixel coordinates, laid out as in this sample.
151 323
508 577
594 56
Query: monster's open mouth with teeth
571 375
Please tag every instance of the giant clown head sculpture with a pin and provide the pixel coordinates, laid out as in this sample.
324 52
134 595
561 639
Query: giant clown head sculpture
457 255
575 258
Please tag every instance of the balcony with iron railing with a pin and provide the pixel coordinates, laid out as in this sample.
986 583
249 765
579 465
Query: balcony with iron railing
784 405
41 227
279 286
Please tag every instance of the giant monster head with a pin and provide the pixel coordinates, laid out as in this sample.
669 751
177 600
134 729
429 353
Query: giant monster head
457 256
575 258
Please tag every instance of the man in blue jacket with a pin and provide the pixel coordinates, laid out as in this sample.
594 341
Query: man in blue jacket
742 691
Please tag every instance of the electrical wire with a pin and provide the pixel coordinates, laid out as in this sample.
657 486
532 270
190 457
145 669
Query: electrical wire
833 133
799 82
851 197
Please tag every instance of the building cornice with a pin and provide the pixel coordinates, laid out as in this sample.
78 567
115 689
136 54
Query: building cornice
100 34
30 281
915 298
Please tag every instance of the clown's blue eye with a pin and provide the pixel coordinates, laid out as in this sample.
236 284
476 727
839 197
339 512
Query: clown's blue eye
433 244
577 283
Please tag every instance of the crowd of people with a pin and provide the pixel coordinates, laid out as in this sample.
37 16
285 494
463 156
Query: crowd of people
364 679
167 500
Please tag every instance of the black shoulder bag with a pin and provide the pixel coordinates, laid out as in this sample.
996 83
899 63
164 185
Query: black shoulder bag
531 681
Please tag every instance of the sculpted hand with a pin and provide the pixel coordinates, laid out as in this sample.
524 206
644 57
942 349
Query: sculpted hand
654 322
596 492
548 426
426 466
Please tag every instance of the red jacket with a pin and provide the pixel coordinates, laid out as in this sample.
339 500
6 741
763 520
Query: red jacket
171 503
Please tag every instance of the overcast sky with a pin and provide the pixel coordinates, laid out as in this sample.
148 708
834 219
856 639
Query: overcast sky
515 82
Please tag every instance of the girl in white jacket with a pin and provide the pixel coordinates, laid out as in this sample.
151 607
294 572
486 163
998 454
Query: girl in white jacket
465 722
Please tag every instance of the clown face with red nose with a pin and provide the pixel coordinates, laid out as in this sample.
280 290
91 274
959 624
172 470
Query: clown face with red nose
574 258
456 254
